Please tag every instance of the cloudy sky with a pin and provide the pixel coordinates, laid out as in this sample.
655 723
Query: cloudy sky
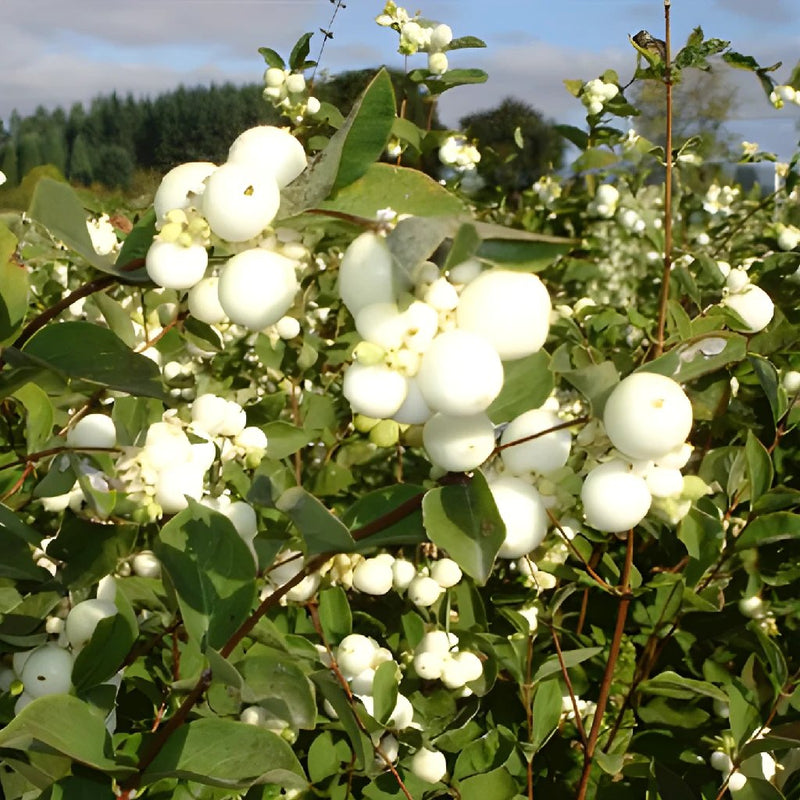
57 52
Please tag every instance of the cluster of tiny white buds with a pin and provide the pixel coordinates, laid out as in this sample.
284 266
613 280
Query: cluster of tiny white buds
417 36
288 93
596 93
459 153
719 200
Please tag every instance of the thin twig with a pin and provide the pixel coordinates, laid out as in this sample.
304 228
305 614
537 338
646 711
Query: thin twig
608 674
664 298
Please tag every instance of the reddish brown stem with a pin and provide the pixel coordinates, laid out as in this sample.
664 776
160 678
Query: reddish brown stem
608 674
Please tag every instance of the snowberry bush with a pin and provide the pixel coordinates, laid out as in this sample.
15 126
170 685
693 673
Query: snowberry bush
329 480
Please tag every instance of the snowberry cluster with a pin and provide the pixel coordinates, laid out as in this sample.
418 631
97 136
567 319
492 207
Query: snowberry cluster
596 93
103 236
235 203
418 35
288 92
437 657
647 419
718 200
750 302
783 94
458 153
433 346
47 669
605 201
169 467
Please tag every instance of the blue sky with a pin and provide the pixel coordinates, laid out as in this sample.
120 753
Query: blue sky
56 52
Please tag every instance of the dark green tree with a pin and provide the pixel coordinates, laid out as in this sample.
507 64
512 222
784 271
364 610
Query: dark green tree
10 166
54 147
113 166
30 153
80 162
503 162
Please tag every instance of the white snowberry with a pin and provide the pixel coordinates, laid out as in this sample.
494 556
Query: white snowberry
647 415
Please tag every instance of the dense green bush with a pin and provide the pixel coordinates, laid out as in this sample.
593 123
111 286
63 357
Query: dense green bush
322 479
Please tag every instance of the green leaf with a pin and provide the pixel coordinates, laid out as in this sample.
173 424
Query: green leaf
463 519
38 416
704 537
300 52
90 550
335 616
495 785
406 191
10 523
671 684
745 716
466 242
135 248
384 691
226 753
105 652
594 158
527 384
515 249
661 712
759 467
334 694
578 136
117 318
212 571
415 239
595 382
546 712
272 58
461 42
279 686
455 77
284 439
387 505
322 532
56 206
571 658
97 355
17 561
770 382
69 726
13 288
768 529
407 131
706 354
358 143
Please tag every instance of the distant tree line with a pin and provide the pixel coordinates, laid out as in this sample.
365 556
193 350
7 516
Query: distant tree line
116 135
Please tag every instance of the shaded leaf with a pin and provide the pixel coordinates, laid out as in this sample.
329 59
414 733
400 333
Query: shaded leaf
226 753
322 532
212 571
463 519
768 529
97 355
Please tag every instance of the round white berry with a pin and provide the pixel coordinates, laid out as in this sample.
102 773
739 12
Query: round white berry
355 653
510 309
47 670
614 499
460 373
93 430
257 287
458 444
181 187
366 274
203 300
423 591
272 149
83 618
647 415
753 305
543 454
174 266
146 565
239 201
373 576
374 390
429 765
446 572
523 513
